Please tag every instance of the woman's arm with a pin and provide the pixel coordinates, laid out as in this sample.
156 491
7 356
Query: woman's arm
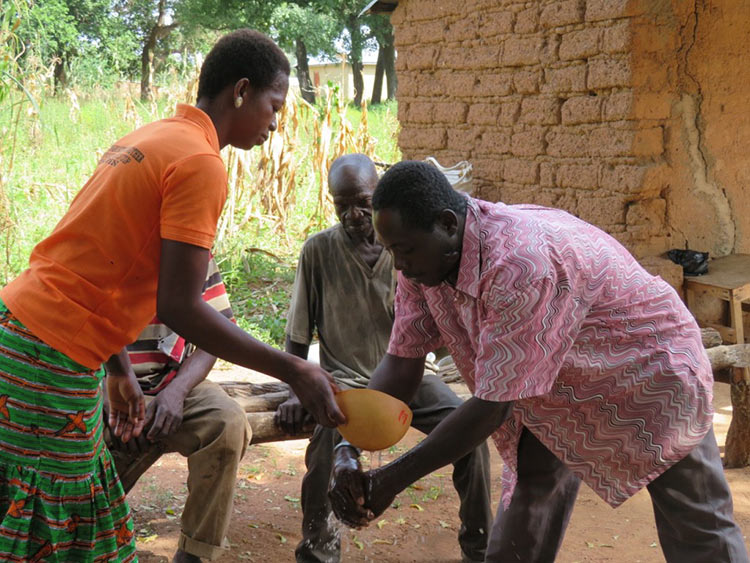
125 404
180 306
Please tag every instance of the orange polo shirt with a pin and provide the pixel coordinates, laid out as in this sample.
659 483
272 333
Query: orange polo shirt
91 285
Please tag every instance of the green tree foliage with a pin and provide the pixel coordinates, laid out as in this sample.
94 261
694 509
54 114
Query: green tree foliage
98 41
306 28
303 27
152 21
57 33
51 29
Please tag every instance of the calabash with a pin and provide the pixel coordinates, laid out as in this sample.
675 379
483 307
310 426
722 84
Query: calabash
375 420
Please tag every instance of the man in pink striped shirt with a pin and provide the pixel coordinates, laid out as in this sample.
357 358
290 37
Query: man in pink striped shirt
583 367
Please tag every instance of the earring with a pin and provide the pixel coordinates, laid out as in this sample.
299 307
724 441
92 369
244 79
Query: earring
238 101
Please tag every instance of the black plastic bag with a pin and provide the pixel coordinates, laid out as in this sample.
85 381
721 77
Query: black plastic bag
693 263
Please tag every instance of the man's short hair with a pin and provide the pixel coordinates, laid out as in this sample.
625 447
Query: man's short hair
244 53
358 160
419 192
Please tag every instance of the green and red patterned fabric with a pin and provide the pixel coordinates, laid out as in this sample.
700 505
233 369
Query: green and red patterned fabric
60 497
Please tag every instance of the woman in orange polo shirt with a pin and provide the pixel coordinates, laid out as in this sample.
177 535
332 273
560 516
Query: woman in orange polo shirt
135 241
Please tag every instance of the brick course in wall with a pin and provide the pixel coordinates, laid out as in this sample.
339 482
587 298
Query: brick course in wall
541 98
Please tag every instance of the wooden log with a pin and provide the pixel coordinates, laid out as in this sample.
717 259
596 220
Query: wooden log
248 389
256 397
729 356
260 401
265 430
710 337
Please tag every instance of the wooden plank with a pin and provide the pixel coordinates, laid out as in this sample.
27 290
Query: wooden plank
735 313
717 292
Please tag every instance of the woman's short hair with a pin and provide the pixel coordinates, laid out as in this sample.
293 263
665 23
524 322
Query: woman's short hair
419 192
244 53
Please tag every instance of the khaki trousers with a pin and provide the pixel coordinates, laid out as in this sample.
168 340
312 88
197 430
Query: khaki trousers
213 436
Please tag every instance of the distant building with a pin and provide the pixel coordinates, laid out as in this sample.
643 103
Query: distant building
340 73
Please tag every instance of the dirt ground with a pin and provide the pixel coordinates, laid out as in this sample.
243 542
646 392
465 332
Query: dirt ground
266 522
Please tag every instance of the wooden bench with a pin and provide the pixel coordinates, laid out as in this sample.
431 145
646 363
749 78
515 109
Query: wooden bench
260 400
728 279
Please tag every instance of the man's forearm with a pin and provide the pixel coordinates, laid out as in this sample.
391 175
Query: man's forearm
397 376
458 434
193 370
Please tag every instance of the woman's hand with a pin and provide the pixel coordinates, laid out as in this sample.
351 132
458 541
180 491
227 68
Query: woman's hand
315 389
127 407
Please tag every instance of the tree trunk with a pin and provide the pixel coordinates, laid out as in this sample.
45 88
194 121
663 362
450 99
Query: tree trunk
60 75
377 85
359 82
307 88
390 68
737 445
146 68
355 32
159 30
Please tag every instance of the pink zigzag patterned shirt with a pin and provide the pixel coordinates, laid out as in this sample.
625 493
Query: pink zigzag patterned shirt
603 360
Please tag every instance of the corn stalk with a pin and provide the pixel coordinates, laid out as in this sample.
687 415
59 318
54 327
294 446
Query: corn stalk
11 81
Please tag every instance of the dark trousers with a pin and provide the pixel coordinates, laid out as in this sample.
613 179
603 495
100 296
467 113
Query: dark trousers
433 402
692 506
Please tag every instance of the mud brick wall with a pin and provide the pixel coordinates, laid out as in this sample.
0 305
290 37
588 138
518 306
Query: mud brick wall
633 115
